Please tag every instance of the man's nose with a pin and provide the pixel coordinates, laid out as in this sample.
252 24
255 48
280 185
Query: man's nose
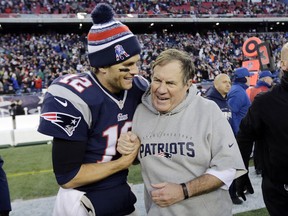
162 87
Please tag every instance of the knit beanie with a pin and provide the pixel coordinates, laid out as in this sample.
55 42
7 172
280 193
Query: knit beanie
110 42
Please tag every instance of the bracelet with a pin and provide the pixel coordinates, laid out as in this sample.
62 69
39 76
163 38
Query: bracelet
185 191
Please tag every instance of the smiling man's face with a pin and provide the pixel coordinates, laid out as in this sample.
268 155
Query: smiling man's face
167 87
120 76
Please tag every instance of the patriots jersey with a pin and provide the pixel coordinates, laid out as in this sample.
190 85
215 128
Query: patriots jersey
77 107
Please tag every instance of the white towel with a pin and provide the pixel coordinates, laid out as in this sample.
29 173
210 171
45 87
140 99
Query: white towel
68 203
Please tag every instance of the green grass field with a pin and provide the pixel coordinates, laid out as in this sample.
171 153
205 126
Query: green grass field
30 175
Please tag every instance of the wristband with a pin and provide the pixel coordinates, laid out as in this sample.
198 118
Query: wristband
185 191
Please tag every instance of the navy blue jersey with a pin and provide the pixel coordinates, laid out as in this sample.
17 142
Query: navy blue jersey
77 107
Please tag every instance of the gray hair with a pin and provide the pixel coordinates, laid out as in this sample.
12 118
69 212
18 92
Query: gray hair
187 65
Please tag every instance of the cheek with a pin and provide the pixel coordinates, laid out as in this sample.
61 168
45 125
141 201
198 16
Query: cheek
119 78
153 88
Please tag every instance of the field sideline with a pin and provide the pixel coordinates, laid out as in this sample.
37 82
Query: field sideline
28 173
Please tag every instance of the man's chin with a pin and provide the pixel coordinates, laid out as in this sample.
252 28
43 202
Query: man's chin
127 86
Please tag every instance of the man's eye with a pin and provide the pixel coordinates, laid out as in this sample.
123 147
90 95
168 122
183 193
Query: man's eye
124 69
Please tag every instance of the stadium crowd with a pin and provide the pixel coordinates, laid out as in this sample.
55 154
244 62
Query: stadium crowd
30 62
148 7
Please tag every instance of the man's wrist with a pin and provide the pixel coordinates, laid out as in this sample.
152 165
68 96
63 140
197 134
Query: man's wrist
185 191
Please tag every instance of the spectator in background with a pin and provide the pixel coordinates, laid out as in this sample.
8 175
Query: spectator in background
7 86
16 108
38 84
15 85
264 83
238 99
267 122
188 154
51 78
218 93
239 103
5 204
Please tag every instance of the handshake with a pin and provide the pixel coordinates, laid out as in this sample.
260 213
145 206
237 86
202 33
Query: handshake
128 143
243 185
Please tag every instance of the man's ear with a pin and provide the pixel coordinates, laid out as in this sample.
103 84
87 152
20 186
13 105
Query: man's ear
102 70
189 83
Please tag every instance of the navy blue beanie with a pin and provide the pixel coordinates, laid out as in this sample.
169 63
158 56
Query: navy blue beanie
110 42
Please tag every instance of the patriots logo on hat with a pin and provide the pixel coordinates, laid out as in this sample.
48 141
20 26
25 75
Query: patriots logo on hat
65 121
120 52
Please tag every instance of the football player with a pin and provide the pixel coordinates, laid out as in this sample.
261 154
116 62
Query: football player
86 113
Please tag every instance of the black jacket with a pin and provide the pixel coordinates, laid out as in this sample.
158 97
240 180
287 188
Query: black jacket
267 123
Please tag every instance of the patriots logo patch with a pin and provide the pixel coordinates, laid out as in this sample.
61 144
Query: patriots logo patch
120 52
165 154
65 121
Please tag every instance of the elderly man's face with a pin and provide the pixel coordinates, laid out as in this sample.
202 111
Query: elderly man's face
167 87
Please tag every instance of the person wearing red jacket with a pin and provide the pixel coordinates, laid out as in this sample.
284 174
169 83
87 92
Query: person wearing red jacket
38 84
264 83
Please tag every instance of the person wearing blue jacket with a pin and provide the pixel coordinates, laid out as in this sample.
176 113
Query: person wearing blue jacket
239 104
238 99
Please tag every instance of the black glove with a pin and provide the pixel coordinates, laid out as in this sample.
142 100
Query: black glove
243 184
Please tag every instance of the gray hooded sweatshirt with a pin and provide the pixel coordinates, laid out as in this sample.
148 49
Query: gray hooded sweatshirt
181 145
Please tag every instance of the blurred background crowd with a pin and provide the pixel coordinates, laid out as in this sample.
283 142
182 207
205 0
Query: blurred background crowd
30 61
148 7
